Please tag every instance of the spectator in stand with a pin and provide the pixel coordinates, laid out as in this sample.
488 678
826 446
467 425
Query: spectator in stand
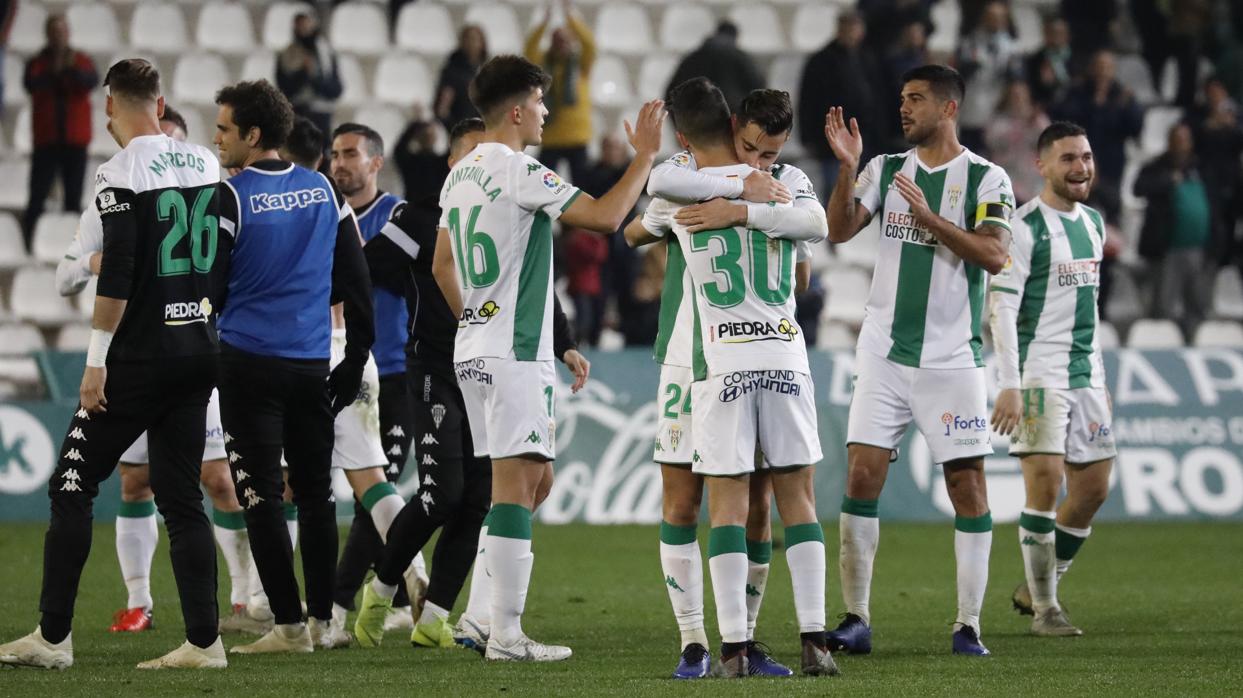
569 58
640 329
1218 135
452 98
1178 230
910 51
622 267
842 74
1049 69
59 80
988 59
886 21
423 170
720 60
306 71
1177 30
1109 113
1010 138
8 10
1090 25
585 255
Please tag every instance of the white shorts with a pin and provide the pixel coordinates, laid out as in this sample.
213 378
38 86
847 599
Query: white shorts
673 426
736 413
1077 424
213 448
356 445
948 405
509 405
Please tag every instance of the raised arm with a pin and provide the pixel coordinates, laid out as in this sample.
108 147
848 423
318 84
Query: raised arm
606 214
846 215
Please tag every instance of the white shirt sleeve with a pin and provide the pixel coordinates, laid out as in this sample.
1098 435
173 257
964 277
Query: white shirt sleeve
658 218
539 188
1004 298
74 270
804 220
677 179
867 185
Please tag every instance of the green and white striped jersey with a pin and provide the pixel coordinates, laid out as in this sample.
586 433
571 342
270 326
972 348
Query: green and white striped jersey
1044 301
926 302
498 206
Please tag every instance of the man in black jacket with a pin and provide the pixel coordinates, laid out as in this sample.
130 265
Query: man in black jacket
720 60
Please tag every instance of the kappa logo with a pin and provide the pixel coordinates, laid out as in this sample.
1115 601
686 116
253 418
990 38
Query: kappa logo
428 460
242 475
71 479
82 414
533 167
227 438
289 200
395 450
1028 540
76 433
252 498
659 448
73 454
234 456
428 481
752 591
429 440
438 414
533 438
673 584
425 498
397 431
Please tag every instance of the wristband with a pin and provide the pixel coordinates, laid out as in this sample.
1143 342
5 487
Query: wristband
97 350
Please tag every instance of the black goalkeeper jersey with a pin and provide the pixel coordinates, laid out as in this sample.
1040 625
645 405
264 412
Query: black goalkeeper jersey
158 201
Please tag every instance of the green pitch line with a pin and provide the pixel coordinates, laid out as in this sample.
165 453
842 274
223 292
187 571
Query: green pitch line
1161 605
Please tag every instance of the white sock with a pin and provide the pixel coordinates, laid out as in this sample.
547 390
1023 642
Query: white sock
1036 541
682 566
419 565
235 546
805 556
136 540
258 598
759 555
479 602
387 591
859 536
384 504
971 551
510 561
432 613
727 563
292 526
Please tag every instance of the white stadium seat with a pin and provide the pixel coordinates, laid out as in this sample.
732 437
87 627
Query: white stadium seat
388 121
759 28
403 79
225 27
836 335
74 337
34 297
158 26
1228 293
1219 333
1029 26
815 24
610 82
1154 334
22 136
197 77
20 339
625 28
1107 336
12 246
261 65
654 75
14 93
102 145
14 178
684 27
26 34
1133 72
946 18
359 27
93 27
785 73
862 248
354 89
1158 120
278 23
847 293
53 233
425 28
500 26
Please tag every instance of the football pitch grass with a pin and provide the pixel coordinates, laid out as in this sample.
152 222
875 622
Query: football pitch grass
1161 605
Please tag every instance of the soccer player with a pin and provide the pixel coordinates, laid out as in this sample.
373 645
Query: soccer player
151 366
454 484
761 128
1052 400
944 223
296 248
493 262
752 391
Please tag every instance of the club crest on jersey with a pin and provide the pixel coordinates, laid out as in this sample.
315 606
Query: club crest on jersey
438 415
954 193
745 332
675 436
480 315
187 313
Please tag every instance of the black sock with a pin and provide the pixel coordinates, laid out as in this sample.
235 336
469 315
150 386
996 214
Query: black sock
818 638
730 648
55 627
202 637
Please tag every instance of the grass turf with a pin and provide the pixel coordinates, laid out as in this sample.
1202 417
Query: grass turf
1161 605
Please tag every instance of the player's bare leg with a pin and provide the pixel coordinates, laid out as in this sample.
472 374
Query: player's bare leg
867 468
682 565
137 534
973 540
794 490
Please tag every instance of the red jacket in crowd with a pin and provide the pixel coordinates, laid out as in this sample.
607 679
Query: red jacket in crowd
61 100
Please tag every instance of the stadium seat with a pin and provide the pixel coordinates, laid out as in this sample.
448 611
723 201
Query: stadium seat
34 297
1133 72
500 26
1228 294
1226 334
14 93
359 27
815 24
610 82
158 26
1126 301
354 88
20 339
759 28
946 18
26 34
261 65
1028 25
654 74
785 73
225 27
102 143
835 336
1154 334
861 250
684 27
12 247
74 337
278 23
197 77
425 28
1158 120
388 121
1107 336
14 178
22 136
53 233
625 28
847 293
403 79
93 26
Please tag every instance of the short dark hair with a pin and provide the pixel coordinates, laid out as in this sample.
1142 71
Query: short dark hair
468 125
175 118
947 84
700 112
770 109
134 79
375 142
305 142
257 104
502 79
727 28
1056 131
